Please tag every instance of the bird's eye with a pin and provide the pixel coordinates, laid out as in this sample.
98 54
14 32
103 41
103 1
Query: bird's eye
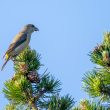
32 25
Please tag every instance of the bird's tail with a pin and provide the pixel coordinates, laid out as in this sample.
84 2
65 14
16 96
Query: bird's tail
5 63
4 55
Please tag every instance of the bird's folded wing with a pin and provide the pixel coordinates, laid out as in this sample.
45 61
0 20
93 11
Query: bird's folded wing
21 38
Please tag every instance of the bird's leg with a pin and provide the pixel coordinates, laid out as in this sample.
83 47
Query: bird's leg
14 60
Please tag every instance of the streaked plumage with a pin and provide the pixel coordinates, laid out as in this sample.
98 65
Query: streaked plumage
19 43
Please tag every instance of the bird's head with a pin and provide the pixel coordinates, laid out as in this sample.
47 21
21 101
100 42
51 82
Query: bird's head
30 28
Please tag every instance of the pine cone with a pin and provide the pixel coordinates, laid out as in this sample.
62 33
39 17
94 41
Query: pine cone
33 77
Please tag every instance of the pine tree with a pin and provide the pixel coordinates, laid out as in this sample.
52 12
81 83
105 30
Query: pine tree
29 90
97 81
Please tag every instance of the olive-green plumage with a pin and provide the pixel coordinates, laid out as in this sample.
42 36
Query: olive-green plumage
19 43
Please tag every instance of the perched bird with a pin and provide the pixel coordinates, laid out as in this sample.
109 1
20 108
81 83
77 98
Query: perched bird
19 43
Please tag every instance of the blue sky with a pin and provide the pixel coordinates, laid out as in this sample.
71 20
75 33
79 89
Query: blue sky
69 29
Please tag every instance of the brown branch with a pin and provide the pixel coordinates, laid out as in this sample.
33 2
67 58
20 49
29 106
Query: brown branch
33 99
41 93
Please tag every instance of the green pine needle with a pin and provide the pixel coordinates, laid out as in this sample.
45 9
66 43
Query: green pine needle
18 90
97 84
89 105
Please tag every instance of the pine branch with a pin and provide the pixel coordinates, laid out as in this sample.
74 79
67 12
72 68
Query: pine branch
97 84
28 87
89 105
101 54
60 103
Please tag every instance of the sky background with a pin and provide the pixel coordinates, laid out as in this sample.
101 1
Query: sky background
69 30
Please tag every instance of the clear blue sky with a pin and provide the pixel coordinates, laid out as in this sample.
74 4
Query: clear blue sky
69 29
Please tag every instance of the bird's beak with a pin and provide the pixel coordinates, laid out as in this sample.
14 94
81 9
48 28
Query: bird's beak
36 29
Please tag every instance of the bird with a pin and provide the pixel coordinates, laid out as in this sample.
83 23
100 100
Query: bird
19 43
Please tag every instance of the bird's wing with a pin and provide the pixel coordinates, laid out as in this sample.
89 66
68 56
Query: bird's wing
19 39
